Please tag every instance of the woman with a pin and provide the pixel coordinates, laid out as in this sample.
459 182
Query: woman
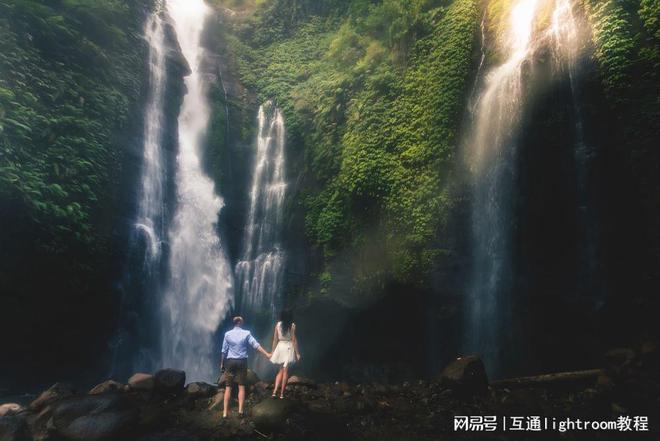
285 349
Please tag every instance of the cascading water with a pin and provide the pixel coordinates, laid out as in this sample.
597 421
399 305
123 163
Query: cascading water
259 272
492 157
200 286
151 202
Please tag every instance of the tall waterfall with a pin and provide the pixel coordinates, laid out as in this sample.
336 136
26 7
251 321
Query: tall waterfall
492 157
200 286
150 215
259 272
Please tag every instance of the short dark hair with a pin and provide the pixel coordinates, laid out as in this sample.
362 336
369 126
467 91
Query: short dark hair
237 320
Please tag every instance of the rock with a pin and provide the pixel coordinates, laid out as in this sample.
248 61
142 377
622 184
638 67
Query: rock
200 390
296 380
271 413
93 417
141 381
10 409
217 401
170 381
466 375
619 357
14 428
107 386
56 392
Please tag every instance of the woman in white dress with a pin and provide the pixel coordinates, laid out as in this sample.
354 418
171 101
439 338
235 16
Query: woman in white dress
285 350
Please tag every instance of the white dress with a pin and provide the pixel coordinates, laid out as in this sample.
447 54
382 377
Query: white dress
284 353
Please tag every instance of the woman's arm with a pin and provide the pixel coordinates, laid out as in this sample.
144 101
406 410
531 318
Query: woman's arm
295 341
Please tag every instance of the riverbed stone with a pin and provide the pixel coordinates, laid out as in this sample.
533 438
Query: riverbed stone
170 381
93 418
106 387
10 409
142 382
466 375
56 392
297 380
271 413
200 390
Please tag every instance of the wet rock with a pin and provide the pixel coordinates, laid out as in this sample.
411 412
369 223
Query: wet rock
10 409
56 392
170 381
107 386
142 382
619 357
14 428
217 400
466 376
296 380
271 413
93 418
200 390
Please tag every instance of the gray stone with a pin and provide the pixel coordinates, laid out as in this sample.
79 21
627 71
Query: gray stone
56 392
271 413
142 382
10 409
200 390
107 386
170 381
296 380
14 428
93 418
466 375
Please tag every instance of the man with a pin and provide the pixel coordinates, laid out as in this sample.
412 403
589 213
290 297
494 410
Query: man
234 361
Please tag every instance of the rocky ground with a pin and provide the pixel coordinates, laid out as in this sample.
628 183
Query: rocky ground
161 407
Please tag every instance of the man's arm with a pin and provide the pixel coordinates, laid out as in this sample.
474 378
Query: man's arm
255 344
225 350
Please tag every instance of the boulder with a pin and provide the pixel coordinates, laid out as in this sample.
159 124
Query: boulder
170 381
142 382
200 390
271 413
466 375
14 428
217 401
107 386
93 418
56 392
10 409
296 380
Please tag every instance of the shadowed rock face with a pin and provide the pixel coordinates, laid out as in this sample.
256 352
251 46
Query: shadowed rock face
466 375
14 428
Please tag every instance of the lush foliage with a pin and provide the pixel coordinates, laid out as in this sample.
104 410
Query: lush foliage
373 94
68 80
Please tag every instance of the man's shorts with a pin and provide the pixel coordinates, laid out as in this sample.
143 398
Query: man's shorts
235 371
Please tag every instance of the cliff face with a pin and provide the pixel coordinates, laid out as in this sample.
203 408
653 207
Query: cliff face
71 87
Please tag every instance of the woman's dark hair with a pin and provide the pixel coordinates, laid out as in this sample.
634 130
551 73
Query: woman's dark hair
286 317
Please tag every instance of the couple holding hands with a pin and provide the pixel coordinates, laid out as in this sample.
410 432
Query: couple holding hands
235 355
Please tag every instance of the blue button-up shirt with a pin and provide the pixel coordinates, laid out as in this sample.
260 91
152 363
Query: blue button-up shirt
236 342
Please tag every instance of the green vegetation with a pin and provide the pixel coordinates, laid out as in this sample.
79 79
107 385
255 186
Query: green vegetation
373 94
70 74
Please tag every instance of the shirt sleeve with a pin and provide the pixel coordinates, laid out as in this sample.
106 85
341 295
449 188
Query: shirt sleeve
253 342
225 347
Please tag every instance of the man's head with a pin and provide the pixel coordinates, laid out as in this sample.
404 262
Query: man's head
238 320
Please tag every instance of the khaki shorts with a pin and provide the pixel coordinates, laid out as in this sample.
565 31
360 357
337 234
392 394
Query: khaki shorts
235 371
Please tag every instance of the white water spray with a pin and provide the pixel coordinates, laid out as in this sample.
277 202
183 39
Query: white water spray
200 288
259 273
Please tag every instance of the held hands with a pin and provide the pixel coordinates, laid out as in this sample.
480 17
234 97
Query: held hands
298 357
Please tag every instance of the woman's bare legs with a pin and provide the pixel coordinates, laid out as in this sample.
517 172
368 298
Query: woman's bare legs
278 380
285 378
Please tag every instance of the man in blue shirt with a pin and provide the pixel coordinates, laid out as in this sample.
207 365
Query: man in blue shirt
234 361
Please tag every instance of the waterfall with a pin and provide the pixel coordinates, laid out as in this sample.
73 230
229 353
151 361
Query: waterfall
259 272
151 203
199 293
492 156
